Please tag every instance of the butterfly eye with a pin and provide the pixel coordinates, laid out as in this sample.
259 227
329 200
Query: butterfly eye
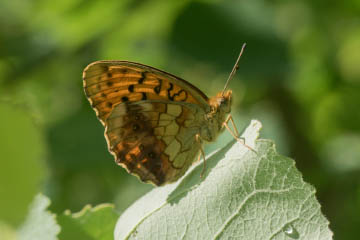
221 101
151 155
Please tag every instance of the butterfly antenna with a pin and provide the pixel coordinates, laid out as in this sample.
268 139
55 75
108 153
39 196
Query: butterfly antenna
236 67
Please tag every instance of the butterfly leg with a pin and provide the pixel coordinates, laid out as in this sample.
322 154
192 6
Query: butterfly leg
198 140
235 132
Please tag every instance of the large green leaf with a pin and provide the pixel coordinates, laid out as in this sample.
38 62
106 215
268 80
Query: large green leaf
243 195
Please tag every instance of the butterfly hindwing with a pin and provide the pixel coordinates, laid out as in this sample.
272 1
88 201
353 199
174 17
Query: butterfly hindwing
153 140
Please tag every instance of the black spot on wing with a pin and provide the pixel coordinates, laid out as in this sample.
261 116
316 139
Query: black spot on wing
142 78
157 89
169 90
131 88
179 93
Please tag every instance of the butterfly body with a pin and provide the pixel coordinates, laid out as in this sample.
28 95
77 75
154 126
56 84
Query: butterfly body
155 123
220 108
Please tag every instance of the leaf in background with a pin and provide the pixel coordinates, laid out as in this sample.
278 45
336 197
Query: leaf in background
40 223
90 223
22 151
7 231
247 195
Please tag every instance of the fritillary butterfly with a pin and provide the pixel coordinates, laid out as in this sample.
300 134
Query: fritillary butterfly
155 123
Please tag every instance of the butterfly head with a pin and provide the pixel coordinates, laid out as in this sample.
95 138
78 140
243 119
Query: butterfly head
225 100
221 103
220 107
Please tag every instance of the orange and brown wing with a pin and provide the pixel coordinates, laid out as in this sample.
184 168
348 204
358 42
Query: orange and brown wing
108 83
153 140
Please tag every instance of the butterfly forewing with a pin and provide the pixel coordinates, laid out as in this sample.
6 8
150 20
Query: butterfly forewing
108 83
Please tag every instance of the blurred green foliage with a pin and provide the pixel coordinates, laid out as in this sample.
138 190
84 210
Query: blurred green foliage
299 75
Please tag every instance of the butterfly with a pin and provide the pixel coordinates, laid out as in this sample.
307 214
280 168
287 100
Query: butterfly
155 123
